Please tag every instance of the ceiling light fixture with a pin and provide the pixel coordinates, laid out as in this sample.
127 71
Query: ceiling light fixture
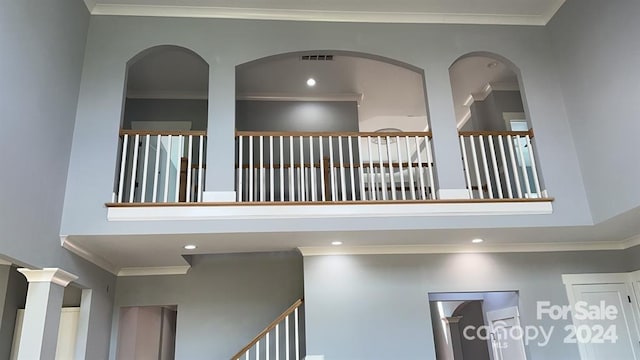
190 247
492 65
336 243
311 82
477 241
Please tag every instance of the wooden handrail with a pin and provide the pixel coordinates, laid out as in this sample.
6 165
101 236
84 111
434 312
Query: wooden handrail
405 165
269 327
496 133
162 133
330 133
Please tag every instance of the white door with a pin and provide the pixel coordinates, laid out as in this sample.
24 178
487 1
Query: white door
505 346
601 336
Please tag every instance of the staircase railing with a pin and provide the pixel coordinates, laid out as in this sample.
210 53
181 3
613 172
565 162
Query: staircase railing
161 166
500 165
334 166
274 342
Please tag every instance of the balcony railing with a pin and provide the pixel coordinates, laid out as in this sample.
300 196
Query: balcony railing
161 166
333 167
500 165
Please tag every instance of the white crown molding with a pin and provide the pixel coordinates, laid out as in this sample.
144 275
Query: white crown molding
631 242
87 255
151 271
232 211
296 97
553 11
486 90
168 95
52 275
91 4
459 249
317 15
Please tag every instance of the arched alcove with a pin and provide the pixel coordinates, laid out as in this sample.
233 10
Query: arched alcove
496 135
163 127
345 126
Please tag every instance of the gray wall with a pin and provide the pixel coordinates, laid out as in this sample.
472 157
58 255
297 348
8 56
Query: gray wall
166 110
223 302
359 293
296 116
487 115
114 40
42 46
597 45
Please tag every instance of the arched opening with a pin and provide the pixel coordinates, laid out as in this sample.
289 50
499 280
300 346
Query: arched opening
496 135
163 128
332 126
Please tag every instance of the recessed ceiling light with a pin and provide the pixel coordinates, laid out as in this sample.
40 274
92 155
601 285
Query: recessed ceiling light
311 82
477 241
336 243
190 247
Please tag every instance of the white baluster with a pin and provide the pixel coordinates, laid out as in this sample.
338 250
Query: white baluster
505 166
312 172
271 184
286 337
145 169
189 161
179 166
250 188
297 334
523 167
123 166
534 168
258 350
402 186
430 164
485 165
343 184
361 170
134 169
261 170
267 346
277 341
240 166
332 171
384 184
322 179
247 355
281 168
476 168
372 186
167 169
514 166
494 163
391 169
292 182
302 177
156 170
412 184
201 169
423 189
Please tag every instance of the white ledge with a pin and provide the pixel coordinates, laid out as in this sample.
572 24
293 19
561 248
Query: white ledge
226 212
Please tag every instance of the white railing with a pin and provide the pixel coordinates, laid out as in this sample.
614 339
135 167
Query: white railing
280 340
161 167
334 167
500 165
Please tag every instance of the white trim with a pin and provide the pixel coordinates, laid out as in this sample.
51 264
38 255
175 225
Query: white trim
52 275
158 270
296 97
91 4
632 242
168 95
317 15
189 213
219 196
103 263
466 117
458 248
453 194
585 279
553 11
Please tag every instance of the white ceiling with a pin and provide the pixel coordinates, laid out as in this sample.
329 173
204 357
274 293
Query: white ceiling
520 12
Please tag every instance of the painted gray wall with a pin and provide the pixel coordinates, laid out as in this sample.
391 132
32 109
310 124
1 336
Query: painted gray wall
296 115
166 110
223 302
361 292
14 286
487 115
114 40
597 57
43 46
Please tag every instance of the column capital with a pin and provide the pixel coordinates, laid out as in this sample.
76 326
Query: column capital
53 275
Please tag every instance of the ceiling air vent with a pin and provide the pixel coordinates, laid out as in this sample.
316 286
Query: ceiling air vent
316 58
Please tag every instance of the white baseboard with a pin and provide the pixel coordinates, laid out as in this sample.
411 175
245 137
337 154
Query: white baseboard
219 196
314 357
451 194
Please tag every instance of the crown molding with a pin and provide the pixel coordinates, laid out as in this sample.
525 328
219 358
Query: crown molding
318 15
631 242
553 11
51 275
461 248
151 271
87 255
168 95
91 4
296 97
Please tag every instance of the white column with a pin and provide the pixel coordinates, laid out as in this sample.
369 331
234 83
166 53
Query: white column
42 312
446 147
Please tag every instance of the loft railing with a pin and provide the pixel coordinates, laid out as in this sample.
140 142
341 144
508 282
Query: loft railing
500 165
334 166
161 166
279 340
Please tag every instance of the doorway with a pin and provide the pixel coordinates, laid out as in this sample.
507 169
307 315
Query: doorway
147 332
